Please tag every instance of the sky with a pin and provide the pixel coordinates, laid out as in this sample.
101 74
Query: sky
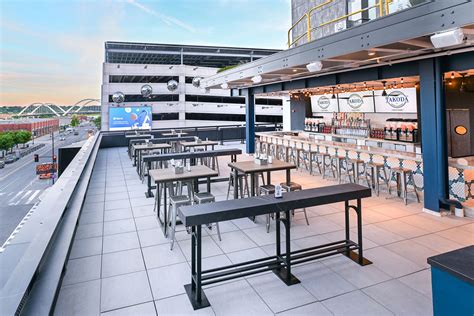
51 51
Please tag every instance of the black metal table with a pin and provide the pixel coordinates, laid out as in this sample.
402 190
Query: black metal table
196 215
148 159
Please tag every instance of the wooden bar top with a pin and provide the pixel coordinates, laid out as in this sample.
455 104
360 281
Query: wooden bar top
168 174
251 166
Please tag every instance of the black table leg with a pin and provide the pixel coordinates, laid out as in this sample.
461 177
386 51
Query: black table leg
149 193
357 257
208 184
134 153
348 237
194 289
284 272
252 184
165 209
288 176
236 184
269 178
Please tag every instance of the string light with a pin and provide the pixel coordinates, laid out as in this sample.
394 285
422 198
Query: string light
452 75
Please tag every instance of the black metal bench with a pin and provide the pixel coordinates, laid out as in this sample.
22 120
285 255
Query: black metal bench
148 159
196 215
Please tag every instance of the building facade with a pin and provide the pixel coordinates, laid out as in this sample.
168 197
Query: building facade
38 127
130 66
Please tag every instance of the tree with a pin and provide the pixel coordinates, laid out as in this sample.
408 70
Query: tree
6 141
98 122
74 121
22 137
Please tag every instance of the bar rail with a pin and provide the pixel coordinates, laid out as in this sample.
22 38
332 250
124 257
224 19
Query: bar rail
33 262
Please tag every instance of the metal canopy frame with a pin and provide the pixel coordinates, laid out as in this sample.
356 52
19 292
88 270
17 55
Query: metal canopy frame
396 37
171 54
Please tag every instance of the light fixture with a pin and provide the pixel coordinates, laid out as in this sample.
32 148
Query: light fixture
371 53
314 66
225 85
401 80
257 79
449 38
452 75
295 70
333 95
384 92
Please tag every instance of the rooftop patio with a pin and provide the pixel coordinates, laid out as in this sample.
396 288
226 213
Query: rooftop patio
120 262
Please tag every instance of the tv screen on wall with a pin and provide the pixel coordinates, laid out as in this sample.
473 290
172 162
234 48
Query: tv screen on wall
127 118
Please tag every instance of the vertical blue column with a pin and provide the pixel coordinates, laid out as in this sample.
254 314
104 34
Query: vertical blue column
433 129
249 120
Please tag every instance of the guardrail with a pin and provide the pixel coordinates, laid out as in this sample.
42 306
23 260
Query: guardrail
33 261
382 5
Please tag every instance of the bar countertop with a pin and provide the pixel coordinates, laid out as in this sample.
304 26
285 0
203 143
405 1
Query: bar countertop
364 149
466 163
459 263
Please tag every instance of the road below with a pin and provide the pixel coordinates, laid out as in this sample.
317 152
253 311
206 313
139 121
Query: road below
20 187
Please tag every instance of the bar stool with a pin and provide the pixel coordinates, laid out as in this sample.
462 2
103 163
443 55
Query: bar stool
326 164
403 176
189 188
206 197
242 177
353 166
293 186
176 201
266 190
337 164
373 177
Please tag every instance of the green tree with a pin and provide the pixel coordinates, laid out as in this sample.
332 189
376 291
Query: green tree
98 122
74 121
22 137
6 142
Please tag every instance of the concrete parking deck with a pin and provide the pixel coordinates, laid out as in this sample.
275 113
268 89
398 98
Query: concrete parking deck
120 263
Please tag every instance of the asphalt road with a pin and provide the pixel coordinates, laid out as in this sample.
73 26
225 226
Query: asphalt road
20 187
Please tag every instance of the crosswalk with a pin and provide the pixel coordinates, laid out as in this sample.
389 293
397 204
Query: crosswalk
21 197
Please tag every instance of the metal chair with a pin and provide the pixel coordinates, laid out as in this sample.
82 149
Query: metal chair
373 177
206 197
176 201
402 177
265 190
240 181
293 186
353 169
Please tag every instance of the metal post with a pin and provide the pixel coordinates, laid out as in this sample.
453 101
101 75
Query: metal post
52 151
249 120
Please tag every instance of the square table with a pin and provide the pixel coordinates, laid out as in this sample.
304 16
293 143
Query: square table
165 176
137 150
203 143
252 168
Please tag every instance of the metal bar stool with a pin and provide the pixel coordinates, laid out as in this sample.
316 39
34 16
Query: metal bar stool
353 166
402 176
176 201
242 177
327 165
337 164
206 197
293 186
266 190
373 177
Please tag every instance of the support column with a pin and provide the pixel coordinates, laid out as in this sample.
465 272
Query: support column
294 113
249 120
433 134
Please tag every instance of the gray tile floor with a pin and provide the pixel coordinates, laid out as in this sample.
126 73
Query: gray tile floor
120 263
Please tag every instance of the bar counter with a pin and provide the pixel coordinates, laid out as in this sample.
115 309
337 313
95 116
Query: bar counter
300 148
461 181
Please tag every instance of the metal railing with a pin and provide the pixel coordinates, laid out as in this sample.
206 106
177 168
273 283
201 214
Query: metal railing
382 5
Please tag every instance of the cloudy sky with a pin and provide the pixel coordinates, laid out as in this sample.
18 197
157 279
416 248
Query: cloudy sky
52 50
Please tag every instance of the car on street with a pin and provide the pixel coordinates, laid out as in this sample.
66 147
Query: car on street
10 159
62 137
44 176
2 164
76 133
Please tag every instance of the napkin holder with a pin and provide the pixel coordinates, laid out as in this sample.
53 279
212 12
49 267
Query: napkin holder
261 161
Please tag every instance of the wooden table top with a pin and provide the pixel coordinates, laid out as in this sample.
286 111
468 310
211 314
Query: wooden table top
202 143
166 175
152 146
251 166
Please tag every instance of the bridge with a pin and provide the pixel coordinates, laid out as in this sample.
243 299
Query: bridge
84 106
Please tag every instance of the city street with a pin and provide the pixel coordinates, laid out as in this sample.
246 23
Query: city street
20 187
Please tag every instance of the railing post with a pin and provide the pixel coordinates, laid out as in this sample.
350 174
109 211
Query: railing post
308 26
